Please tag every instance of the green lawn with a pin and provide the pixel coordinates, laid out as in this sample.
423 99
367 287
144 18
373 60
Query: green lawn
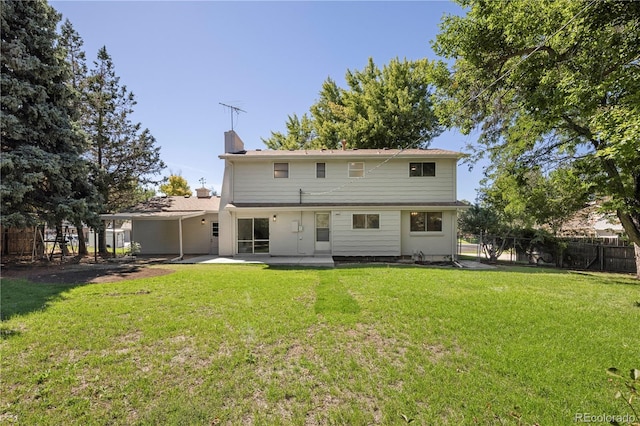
235 344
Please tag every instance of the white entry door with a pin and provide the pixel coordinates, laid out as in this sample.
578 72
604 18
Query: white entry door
323 232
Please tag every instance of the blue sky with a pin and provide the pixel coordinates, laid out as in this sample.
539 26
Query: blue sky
181 59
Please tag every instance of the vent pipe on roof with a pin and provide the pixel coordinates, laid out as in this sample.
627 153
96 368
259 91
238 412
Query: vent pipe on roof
344 144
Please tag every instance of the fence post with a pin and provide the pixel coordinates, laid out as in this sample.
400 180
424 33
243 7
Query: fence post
601 256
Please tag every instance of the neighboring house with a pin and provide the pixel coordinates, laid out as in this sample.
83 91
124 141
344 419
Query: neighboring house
174 225
121 235
590 222
360 202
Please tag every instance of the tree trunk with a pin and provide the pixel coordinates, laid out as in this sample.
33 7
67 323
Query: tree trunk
82 246
62 242
101 233
633 231
637 249
102 241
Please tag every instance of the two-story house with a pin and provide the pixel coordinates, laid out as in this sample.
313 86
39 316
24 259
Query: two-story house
350 202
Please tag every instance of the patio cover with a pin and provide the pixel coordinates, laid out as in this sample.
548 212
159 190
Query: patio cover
169 208
170 215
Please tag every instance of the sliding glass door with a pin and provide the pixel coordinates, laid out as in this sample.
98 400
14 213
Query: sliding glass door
253 235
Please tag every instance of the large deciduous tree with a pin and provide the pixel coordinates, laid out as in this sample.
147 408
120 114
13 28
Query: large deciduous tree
530 199
549 83
44 176
300 135
381 108
175 185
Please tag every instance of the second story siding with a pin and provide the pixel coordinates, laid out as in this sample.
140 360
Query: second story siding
272 178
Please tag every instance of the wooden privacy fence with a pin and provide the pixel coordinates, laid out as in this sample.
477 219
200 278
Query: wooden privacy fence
592 255
21 242
600 257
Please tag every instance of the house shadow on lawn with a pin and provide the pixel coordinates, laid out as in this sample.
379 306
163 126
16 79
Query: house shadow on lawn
28 289
21 296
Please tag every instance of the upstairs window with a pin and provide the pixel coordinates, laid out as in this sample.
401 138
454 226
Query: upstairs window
280 170
426 221
321 170
366 221
422 169
356 170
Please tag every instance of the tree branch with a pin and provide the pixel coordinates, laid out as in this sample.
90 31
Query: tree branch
527 51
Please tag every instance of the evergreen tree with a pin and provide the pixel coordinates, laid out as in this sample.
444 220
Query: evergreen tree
43 171
125 155
75 57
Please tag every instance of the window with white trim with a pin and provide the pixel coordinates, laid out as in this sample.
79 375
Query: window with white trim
280 170
366 221
356 169
321 170
426 221
422 169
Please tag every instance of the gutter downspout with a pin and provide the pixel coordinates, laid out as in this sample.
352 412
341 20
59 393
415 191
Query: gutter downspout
454 236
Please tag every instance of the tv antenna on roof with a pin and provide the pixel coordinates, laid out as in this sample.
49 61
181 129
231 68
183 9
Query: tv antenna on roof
232 109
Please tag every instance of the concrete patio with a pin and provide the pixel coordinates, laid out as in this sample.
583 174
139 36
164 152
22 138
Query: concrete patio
314 261
309 261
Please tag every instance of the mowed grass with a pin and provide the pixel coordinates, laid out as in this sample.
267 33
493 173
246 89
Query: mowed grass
215 344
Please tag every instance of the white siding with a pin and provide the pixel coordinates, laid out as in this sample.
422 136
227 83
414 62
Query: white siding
253 181
196 236
434 245
162 236
284 241
156 236
384 241
227 233
226 218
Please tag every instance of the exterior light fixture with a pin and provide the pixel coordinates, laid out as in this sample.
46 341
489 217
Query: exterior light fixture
275 217
202 222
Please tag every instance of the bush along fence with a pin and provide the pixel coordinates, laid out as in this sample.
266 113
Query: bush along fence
563 253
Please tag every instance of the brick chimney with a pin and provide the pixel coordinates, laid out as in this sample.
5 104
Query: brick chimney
203 192
232 143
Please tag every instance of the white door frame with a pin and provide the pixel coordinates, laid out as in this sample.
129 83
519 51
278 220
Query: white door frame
322 245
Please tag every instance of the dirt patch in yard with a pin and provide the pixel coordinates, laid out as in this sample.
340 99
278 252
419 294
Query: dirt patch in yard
81 273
